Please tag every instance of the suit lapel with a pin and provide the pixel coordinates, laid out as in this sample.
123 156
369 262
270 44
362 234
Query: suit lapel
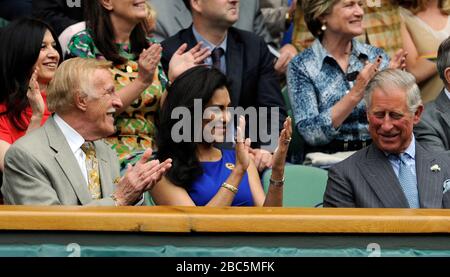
235 66
442 104
67 161
429 183
189 38
380 176
105 177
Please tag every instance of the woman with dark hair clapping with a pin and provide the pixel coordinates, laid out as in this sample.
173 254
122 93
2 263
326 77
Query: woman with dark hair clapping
202 174
26 67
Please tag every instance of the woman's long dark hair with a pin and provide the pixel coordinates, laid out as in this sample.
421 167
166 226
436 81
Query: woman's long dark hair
20 46
98 21
196 83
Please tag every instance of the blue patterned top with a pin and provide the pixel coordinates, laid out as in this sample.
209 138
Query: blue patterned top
205 187
316 83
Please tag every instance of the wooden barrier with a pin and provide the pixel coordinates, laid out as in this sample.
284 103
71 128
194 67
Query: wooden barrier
230 219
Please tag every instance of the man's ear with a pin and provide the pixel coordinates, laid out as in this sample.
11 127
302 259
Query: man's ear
196 6
81 100
418 114
447 75
107 4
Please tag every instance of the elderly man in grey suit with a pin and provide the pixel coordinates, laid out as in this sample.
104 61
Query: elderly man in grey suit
395 171
65 162
433 131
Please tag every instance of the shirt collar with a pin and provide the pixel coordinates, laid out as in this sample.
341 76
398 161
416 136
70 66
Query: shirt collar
411 150
208 44
358 51
447 93
74 139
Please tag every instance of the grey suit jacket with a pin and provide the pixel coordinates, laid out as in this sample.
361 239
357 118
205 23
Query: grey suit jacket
40 169
173 16
366 180
433 130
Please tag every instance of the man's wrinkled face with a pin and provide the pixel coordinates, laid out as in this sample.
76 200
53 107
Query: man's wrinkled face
102 104
390 122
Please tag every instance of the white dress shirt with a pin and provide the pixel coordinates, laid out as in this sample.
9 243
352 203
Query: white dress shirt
75 141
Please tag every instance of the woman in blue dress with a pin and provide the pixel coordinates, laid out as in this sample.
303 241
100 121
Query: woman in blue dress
203 174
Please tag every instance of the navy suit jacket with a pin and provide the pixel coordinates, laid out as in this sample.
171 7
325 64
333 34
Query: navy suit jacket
254 82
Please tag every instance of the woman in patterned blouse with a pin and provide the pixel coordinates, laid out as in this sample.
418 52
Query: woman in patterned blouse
116 30
327 81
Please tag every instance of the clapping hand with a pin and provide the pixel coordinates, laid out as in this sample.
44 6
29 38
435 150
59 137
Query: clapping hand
34 97
182 60
140 178
398 61
279 157
364 77
148 62
242 147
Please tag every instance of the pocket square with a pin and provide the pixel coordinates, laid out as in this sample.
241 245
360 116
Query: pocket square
446 185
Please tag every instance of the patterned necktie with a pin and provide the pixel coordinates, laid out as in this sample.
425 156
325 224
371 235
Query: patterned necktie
92 169
408 182
216 54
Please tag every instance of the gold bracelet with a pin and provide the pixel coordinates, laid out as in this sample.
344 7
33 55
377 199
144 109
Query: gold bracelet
276 183
229 187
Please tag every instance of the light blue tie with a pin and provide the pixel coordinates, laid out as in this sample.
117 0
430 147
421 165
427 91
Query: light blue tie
408 182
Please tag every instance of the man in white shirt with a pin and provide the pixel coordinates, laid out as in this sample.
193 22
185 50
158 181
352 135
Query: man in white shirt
50 166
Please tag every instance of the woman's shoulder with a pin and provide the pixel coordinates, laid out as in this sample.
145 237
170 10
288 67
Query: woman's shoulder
82 45
83 36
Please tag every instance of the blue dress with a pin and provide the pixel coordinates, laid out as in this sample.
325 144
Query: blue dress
205 187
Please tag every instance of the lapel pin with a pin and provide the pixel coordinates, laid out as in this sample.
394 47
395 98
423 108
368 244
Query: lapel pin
435 168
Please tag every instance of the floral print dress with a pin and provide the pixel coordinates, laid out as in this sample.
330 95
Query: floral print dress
135 127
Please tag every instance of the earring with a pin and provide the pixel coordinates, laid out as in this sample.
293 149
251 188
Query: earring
324 27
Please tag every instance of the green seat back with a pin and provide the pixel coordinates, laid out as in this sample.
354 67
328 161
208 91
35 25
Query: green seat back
304 186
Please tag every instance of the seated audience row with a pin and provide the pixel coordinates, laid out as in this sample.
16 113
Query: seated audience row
66 163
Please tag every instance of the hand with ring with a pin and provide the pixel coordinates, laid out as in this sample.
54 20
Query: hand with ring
288 140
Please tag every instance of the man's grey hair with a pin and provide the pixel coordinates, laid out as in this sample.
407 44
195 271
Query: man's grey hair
443 59
395 79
